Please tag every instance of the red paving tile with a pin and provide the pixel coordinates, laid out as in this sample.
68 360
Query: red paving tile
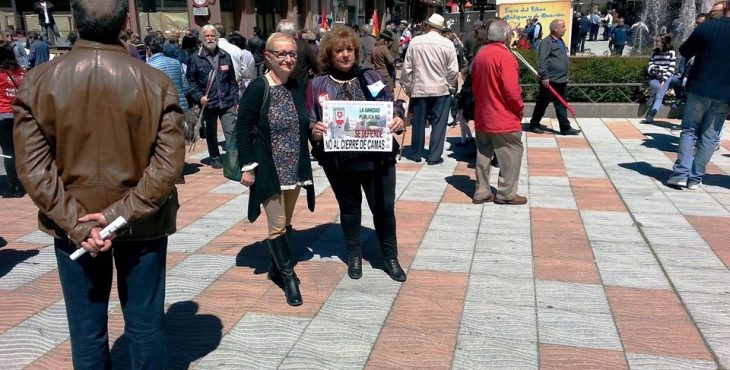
560 247
57 358
725 144
596 195
233 295
423 325
460 187
318 280
623 129
566 142
545 162
716 233
413 219
554 356
654 322
22 303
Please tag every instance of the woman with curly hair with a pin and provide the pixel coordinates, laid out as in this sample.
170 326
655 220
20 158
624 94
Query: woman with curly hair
352 172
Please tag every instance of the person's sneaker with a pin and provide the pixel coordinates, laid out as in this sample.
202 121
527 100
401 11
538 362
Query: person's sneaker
537 129
693 185
216 163
517 200
674 181
570 131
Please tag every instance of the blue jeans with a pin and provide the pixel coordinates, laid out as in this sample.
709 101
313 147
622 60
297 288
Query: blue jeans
659 90
702 123
86 285
45 28
436 109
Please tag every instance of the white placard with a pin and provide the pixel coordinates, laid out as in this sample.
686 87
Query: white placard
357 126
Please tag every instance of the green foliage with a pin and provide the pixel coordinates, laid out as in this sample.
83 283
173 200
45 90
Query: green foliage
594 70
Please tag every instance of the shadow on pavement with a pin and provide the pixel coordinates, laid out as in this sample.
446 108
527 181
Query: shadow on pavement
658 173
662 174
9 258
303 247
664 124
188 337
191 168
301 244
462 183
462 153
663 142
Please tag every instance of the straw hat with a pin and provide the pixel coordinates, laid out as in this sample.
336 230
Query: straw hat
436 21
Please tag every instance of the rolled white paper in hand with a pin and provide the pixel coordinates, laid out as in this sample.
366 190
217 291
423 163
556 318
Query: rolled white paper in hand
105 234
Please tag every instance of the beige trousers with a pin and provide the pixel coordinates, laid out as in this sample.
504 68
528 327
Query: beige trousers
279 210
508 149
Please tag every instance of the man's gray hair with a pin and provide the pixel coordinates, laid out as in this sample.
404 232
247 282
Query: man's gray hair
554 24
286 26
499 31
99 20
365 29
209 27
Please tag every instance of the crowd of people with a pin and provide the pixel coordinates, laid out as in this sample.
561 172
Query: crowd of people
268 96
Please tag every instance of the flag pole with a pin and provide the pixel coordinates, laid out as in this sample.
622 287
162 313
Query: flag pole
550 88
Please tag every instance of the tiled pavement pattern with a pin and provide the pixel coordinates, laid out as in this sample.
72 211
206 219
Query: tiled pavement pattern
604 268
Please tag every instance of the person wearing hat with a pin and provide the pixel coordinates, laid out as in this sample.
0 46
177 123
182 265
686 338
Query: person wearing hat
382 60
430 77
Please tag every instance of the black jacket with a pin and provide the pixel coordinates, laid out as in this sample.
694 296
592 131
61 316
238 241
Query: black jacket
39 10
224 92
254 143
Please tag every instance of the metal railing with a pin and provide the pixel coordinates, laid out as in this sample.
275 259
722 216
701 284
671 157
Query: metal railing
597 92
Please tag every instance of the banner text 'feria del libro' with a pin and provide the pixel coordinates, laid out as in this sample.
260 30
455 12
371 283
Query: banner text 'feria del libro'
517 12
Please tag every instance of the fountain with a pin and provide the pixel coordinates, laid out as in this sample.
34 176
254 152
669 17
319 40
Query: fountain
655 19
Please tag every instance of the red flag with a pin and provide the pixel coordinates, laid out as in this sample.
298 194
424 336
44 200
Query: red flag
323 22
376 23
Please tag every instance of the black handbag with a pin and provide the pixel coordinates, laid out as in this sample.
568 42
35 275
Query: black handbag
231 165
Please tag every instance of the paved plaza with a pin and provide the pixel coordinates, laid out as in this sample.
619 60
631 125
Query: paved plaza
604 268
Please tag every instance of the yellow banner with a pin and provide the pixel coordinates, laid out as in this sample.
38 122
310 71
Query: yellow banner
517 15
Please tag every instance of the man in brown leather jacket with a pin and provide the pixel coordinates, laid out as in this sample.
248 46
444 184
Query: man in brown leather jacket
99 137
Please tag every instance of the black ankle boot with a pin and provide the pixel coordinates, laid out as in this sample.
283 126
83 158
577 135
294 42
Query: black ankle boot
354 266
392 267
279 248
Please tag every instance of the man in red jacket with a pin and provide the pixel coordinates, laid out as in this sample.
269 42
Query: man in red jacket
498 116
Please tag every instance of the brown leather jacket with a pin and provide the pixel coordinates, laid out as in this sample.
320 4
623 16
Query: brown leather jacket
99 131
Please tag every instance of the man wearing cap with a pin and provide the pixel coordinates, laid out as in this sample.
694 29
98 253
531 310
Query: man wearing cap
429 77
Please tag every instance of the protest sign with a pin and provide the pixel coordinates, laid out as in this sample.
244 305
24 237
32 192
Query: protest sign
357 126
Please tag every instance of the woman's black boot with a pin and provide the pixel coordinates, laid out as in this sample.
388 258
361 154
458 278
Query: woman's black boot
354 266
279 248
392 267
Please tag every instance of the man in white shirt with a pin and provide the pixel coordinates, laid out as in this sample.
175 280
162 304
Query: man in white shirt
430 78
244 65
608 25
44 9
